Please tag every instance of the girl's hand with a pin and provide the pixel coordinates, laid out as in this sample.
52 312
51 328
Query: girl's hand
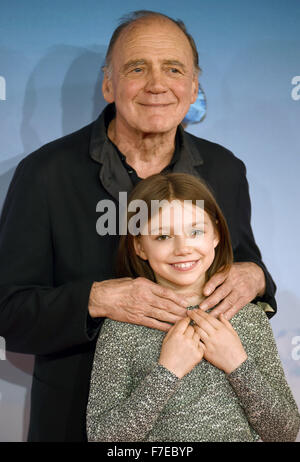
181 348
223 347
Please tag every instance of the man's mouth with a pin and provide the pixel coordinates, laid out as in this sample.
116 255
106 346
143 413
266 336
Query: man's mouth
185 266
154 105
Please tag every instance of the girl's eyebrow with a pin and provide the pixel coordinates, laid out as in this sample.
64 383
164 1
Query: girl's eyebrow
161 230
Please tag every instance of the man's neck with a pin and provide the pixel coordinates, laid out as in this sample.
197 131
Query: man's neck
146 153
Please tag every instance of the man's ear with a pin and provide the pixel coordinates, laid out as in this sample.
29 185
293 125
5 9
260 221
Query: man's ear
107 89
139 249
195 88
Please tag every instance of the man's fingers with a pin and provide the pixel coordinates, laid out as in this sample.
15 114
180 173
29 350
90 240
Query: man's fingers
225 321
155 324
219 294
179 303
231 312
228 307
216 280
162 315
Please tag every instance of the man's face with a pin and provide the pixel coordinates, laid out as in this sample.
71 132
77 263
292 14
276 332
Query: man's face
153 82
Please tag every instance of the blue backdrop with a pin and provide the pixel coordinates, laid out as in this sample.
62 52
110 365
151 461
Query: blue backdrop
50 85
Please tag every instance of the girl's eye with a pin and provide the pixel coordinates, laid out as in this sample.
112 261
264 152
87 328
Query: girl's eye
162 237
197 232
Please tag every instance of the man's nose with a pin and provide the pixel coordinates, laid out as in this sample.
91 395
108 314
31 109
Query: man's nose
156 82
182 246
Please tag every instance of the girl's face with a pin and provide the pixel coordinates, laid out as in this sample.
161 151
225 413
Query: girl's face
179 245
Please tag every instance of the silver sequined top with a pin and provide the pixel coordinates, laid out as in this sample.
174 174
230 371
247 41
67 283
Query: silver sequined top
133 398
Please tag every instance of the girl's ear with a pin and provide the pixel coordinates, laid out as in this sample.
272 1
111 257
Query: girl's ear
216 238
139 249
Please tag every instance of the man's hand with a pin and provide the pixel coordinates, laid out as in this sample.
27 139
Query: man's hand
233 289
136 301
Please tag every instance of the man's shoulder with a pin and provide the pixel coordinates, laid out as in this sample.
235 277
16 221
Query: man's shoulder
212 152
62 150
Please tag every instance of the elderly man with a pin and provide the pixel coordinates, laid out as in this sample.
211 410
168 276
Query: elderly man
57 273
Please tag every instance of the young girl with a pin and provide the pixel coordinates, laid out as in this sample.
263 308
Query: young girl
207 379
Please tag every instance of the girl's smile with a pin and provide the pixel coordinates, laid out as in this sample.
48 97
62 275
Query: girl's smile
185 266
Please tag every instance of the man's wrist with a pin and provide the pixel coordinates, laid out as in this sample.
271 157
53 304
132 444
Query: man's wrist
96 309
261 280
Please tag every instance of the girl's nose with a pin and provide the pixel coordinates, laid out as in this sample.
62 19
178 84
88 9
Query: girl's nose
181 246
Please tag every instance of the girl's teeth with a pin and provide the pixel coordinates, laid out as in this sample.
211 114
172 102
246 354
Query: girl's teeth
184 265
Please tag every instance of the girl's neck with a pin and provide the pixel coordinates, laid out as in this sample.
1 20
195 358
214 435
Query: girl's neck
193 295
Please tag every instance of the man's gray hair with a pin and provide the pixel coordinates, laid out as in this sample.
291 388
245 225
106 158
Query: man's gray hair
129 19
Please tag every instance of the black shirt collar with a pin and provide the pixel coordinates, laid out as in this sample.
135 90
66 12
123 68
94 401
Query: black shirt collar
115 175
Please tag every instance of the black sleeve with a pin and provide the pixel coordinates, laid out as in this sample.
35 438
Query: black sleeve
36 317
247 249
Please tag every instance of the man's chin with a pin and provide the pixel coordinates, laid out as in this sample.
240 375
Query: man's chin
157 127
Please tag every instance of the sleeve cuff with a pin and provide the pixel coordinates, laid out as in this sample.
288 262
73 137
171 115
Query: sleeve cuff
92 326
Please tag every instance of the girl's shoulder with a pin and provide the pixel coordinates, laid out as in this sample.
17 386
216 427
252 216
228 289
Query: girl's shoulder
125 329
251 314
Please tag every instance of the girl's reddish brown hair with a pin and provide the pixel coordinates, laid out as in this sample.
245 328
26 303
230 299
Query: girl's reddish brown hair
172 186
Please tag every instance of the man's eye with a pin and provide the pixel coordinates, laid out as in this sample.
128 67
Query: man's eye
137 70
174 70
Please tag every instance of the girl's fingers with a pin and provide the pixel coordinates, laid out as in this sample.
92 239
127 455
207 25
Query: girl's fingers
189 332
201 346
181 325
203 322
202 334
196 335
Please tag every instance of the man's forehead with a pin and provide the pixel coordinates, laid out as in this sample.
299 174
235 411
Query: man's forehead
152 32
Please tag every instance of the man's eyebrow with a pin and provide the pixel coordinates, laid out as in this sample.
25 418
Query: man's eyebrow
132 63
175 62
140 62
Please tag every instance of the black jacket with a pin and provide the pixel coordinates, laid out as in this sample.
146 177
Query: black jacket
50 254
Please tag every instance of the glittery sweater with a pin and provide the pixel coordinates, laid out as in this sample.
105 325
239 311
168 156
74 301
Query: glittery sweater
133 398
